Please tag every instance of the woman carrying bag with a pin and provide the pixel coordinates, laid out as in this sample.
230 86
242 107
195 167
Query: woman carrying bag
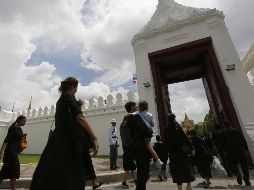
61 165
180 149
10 150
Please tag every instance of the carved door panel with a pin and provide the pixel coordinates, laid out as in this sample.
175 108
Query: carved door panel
162 96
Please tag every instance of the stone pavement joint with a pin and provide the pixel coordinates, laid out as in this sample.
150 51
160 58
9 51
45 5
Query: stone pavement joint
106 175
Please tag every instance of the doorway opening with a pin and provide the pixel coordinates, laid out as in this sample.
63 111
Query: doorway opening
189 102
190 61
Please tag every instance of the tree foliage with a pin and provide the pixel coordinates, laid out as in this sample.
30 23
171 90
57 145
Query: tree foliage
208 125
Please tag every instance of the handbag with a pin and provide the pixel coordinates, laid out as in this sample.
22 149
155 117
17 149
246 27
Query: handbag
216 168
51 132
23 142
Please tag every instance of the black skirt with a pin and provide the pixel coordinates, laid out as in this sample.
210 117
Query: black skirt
60 166
181 169
11 165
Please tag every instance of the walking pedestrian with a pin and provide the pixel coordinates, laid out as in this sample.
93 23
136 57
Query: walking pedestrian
218 142
203 156
139 132
61 165
90 172
129 165
236 148
10 150
161 150
180 149
87 160
147 117
113 144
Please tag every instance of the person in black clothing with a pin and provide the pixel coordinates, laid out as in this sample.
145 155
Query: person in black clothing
89 169
139 131
161 150
90 172
129 165
61 165
236 148
203 156
10 149
180 149
217 139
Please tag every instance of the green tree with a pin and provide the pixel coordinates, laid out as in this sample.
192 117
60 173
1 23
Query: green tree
208 125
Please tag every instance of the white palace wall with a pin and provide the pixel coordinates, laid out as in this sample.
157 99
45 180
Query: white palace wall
39 121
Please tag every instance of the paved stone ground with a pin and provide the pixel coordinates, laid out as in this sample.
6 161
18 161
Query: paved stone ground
153 184
100 165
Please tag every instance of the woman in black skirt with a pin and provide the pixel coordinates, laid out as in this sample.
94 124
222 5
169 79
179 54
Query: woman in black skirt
180 149
61 165
203 156
10 150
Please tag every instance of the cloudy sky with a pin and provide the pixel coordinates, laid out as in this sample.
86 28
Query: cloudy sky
44 41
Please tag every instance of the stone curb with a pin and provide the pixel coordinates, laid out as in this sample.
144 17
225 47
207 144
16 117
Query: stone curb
104 177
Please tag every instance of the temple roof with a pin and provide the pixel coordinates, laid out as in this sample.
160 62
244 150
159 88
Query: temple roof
170 13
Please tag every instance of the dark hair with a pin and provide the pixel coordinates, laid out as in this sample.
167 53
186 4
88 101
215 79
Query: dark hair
67 84
129 105
226 123
19 118
171 117
143 106
191 132
158 137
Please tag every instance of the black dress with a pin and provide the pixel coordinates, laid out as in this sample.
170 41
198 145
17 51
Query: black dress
11 166
180 164
161 150
60 166
203 157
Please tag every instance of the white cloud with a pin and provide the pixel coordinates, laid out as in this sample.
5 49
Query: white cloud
188 97
104 32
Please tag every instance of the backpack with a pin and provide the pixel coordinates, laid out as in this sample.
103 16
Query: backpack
125 133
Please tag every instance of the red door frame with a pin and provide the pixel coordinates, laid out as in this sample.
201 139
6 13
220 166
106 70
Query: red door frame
204 47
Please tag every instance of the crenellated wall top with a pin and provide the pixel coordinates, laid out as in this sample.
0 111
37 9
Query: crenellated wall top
96 106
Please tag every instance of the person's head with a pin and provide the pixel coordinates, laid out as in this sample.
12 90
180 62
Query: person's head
226 124
191 133
217 126
158 138
21 120
143 106
171 117
69 84
113 122
130 107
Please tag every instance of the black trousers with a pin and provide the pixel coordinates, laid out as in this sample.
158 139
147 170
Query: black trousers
89 168
142 158
238 157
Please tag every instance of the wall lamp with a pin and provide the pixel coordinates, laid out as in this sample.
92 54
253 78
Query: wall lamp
146 84
230 67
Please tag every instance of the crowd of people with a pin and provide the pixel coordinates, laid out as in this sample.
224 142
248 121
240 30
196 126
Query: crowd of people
66 161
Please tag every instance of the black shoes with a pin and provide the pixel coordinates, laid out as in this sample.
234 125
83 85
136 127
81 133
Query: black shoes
113 168
125 185
98 185
239 179
160 177
247 183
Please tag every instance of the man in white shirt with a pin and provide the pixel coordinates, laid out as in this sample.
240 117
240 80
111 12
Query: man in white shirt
113 143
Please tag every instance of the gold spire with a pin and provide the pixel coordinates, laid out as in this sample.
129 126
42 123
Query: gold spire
30 104
186 117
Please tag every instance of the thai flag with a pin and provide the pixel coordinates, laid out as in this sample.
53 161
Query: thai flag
134 79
